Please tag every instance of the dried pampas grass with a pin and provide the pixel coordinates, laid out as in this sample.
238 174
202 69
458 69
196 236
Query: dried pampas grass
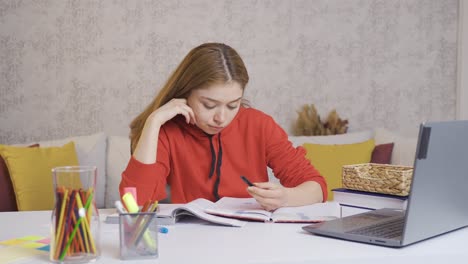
308 123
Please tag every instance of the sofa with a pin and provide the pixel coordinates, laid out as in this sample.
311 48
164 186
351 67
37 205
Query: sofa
110 154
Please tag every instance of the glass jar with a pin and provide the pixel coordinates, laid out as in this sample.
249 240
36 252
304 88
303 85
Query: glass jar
75 228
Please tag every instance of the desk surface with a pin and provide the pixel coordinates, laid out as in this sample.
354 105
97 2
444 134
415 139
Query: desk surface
200 242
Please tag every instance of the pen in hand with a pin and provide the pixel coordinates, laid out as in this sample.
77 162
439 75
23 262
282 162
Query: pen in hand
249 183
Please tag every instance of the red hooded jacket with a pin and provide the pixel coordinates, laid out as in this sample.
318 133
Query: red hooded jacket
198 165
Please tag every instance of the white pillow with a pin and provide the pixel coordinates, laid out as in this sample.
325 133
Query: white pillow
118 155
348 138
404 148
91 151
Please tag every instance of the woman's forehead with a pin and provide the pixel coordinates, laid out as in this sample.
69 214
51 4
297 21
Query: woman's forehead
222 92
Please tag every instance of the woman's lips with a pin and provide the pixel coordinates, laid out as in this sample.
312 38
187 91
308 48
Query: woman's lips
216 128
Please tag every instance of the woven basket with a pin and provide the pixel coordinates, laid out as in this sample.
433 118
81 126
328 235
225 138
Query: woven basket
378 178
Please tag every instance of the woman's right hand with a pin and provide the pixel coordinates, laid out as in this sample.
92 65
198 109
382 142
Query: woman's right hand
172 108
147 146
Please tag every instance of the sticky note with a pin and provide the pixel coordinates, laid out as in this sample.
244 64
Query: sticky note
31 238
12 242
44 241
44 248
9 254
32 245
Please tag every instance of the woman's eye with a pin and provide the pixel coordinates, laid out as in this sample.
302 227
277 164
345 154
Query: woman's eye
209 106
232 107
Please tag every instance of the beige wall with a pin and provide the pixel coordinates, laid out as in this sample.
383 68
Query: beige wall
462 85
78 67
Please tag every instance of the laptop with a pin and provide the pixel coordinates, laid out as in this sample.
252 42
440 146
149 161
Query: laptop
438 196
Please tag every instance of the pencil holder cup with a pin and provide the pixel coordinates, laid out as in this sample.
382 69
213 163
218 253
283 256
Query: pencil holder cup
138 236
75 228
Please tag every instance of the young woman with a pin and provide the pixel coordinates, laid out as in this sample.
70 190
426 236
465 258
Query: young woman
199 137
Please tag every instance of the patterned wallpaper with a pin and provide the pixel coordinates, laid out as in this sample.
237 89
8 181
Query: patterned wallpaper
79 67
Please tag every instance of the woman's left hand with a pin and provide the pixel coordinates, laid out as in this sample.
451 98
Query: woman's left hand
270 196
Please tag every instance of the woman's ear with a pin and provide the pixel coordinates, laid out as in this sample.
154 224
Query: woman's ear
189 100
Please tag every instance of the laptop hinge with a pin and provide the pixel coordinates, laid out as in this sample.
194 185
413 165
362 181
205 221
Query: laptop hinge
424 143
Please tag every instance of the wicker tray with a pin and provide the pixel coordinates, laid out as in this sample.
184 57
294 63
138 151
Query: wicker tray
378 178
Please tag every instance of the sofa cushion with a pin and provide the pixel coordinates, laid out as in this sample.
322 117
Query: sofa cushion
118 155
30 172
404 149
7 193
382 153
91 151
329 159
348 138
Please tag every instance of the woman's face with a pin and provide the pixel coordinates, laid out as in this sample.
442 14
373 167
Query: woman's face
215 106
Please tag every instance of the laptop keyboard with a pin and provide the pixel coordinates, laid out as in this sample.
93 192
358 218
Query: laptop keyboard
390 229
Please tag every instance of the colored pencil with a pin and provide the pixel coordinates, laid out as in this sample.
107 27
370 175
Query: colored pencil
142 229
59 229
73 223
80 219
82 225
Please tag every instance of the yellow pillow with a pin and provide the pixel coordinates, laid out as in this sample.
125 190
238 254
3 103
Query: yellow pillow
31 175
329 159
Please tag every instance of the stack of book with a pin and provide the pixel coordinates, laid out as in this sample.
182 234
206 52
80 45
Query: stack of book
353 201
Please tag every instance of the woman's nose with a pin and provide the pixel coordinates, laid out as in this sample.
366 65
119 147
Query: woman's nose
220 116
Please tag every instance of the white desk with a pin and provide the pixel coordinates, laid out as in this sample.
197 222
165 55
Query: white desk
199 242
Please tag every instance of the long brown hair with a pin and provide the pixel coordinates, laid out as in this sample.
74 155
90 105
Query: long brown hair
205 65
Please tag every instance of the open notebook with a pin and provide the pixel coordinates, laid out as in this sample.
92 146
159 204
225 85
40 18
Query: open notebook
249 209
231 211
